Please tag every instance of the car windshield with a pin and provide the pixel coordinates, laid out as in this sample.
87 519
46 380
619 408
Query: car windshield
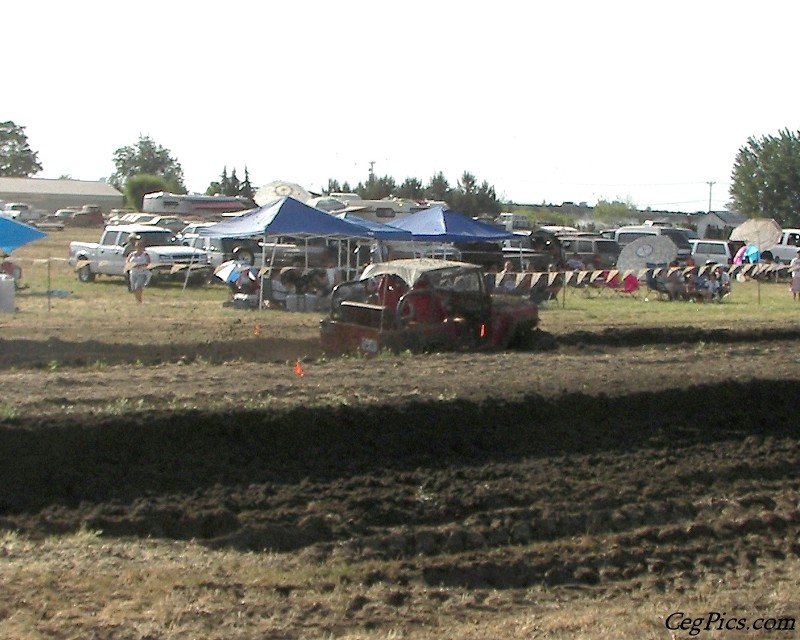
680 239
607 246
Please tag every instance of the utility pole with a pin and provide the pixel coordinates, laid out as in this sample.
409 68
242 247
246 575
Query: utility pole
710 184
371 172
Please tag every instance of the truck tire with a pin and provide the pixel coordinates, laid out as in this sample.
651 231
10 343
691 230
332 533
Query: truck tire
85 274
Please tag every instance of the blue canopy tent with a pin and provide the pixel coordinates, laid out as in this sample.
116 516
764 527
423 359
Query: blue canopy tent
379 232
14 234
439 224
285 217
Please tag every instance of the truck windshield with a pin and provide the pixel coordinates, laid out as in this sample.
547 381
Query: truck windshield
153 238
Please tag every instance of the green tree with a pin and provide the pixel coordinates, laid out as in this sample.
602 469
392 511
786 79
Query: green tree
147 157
486 200
412 189
613 212
17 160
246 188
219 187
137 186
765 180
473 199
438 188
231 185
376 188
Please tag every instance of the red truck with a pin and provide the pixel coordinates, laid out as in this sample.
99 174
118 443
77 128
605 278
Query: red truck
424 304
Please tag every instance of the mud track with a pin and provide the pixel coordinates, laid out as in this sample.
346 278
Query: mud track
639 457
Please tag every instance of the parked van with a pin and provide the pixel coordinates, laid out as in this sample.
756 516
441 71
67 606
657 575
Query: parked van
626 235
595 251
514 221
720 251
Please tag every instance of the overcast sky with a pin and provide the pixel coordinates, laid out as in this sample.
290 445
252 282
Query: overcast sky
546 101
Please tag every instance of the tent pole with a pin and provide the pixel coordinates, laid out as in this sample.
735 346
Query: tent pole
49 288
188 273
263 264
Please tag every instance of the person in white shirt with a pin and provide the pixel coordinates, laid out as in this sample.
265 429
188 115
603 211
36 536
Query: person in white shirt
794 269
137 265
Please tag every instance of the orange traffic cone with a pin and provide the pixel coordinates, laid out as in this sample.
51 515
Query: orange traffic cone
298 369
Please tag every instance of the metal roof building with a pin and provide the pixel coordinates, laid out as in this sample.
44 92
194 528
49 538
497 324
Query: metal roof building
50 195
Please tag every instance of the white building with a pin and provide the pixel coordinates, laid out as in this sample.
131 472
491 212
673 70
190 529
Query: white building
718 224
50 195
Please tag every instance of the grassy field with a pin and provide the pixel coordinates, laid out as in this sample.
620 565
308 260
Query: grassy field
166 474
197 312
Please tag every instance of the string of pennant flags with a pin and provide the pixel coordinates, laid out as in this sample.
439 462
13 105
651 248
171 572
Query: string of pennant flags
575 277
579 277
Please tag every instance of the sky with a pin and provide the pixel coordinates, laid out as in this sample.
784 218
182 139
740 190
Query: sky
549 102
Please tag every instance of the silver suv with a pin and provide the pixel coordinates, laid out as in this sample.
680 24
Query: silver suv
719 251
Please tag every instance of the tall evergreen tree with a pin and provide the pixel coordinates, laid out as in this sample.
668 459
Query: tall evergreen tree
438 188
233 184
412 189
246 188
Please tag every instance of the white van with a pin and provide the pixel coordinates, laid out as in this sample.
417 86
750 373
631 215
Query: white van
626 235
514 221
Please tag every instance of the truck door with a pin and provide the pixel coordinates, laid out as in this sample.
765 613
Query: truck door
109 253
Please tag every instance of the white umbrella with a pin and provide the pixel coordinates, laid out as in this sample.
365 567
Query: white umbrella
647 250
279 189
230 270
764 233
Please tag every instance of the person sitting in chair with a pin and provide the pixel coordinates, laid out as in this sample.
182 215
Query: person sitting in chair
246 283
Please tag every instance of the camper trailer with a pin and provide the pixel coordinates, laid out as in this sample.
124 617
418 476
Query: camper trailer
194 205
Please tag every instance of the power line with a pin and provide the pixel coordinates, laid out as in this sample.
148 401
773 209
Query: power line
623 184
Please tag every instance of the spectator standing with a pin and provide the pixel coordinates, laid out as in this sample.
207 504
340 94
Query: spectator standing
137 265
794 269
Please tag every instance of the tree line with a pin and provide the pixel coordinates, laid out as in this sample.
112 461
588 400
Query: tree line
765 178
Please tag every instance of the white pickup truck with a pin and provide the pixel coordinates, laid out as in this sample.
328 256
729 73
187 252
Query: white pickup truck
168 258
787 248
20 212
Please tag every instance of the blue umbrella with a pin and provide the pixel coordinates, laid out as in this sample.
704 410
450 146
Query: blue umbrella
231 270
752 254
14 234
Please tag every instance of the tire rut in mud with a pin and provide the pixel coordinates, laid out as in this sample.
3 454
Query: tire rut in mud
575 489
30 353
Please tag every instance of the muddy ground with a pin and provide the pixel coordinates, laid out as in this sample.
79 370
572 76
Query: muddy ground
612 461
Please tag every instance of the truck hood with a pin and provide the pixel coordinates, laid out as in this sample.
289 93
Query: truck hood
174 250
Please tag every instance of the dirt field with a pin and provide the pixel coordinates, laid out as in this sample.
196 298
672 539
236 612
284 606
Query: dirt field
205 490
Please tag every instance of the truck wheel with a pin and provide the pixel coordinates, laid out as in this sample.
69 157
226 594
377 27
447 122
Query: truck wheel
85 274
